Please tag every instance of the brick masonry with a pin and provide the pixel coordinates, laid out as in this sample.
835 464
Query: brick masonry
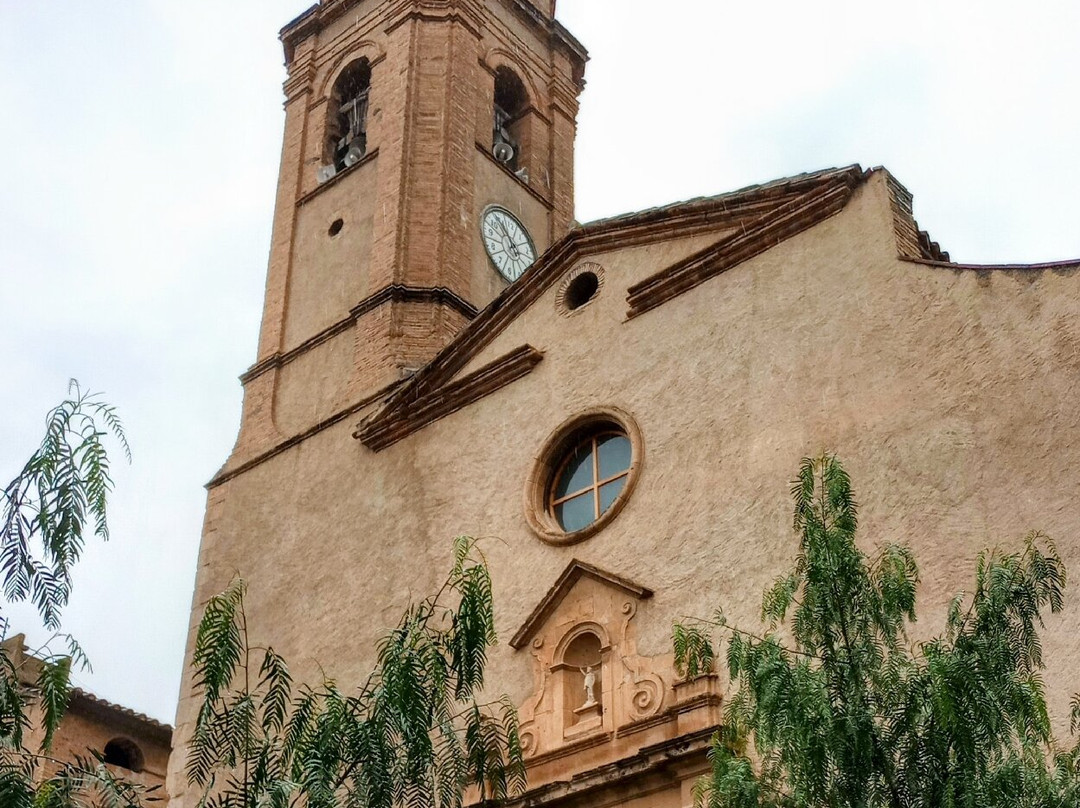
412 210
90 724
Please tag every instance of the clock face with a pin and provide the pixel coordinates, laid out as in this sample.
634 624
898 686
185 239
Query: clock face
507 243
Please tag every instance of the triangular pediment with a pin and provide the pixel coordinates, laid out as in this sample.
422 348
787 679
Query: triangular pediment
562 588
591 686
753 220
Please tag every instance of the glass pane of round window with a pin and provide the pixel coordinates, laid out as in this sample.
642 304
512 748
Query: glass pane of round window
614 456
577 473
576 513
610 492
590 479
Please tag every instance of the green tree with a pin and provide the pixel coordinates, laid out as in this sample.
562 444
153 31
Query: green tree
56 501
834 706
414 733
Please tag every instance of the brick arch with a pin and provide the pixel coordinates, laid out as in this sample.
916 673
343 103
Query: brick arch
367 48
125 754
499 57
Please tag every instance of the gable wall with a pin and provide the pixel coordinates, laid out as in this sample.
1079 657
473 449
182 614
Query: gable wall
542 326
946 393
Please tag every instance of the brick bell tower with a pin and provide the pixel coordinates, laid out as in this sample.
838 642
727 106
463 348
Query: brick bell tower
427 156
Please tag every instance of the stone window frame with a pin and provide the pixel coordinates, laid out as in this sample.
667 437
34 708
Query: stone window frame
548 462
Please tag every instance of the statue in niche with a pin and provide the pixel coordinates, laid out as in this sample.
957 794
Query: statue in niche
583 668
590 685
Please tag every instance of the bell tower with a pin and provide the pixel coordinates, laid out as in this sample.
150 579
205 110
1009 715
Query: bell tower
408 123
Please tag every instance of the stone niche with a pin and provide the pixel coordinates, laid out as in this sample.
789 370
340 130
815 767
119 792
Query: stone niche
597 700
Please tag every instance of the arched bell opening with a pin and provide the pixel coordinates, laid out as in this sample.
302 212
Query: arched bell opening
346 130
509 131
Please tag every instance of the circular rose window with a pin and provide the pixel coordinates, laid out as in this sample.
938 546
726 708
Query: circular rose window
584 476
591 479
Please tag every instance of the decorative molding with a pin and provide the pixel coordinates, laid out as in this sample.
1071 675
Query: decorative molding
571 748
299 81
555 449
911 242
298 29
573 573
781 223
227 473
463 15
315 18
746 209
692 691
390 426
587 612
499 56
395 293
278 360
399 293
737 209
330 10
561 305
270 362
364 49
565 96
553 29
640 774
577 51
1049 266
648 696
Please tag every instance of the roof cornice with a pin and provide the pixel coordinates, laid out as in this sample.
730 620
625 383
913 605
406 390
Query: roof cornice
391 425
316 17
781 223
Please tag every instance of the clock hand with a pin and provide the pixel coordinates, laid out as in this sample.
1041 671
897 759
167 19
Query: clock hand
514 247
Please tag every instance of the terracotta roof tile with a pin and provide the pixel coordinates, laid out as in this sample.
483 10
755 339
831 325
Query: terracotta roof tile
120 710
741 196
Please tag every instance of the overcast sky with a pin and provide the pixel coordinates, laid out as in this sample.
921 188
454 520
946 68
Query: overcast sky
140 145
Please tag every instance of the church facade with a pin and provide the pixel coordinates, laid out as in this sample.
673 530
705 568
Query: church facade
618 404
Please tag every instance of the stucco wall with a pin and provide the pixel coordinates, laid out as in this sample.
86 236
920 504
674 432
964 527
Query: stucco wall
949 394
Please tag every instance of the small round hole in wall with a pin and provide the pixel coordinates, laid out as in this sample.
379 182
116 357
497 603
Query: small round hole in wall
581 290
335 227
579 287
